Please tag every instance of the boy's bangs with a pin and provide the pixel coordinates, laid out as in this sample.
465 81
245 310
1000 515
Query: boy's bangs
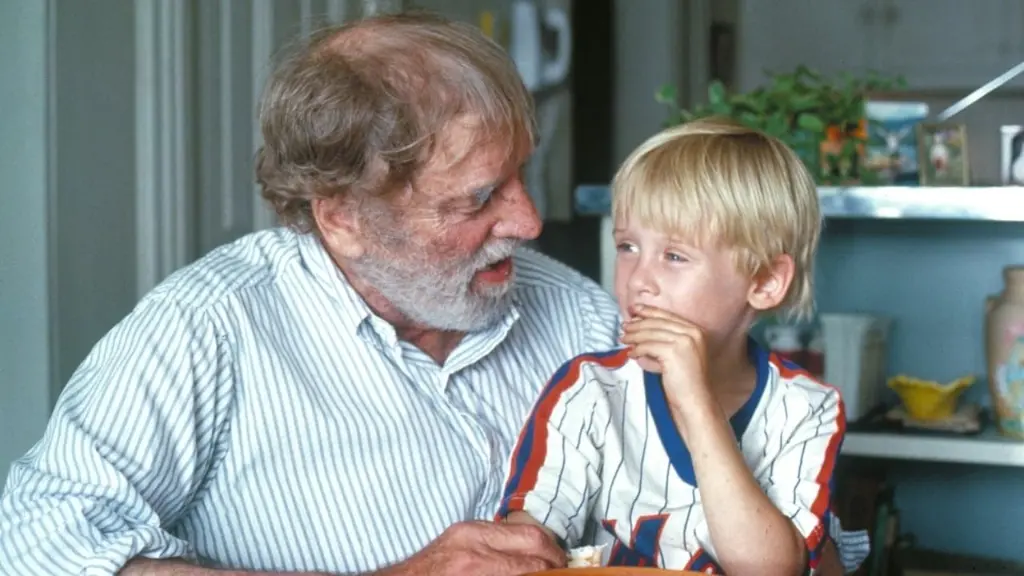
664 194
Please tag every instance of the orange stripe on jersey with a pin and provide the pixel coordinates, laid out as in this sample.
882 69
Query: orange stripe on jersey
790 370
824 479
822 501
702 562
531 447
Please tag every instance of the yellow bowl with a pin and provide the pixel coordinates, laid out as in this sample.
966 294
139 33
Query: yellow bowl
927 399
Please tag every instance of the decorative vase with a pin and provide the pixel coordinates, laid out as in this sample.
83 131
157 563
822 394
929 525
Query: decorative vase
1004 351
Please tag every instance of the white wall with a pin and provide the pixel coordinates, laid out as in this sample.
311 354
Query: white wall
94 209
24 305
68 250
657 42
111 171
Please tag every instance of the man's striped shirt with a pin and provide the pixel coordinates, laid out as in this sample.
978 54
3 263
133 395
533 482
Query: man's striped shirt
253 412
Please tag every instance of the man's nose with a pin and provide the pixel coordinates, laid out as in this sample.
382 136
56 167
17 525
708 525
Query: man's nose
517 215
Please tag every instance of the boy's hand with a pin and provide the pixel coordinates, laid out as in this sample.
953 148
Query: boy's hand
674 344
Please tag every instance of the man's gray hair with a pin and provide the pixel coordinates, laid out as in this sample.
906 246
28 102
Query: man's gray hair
358 110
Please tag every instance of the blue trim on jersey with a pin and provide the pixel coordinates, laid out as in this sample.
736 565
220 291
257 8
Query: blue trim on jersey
678 455
759 357
676 449
526 441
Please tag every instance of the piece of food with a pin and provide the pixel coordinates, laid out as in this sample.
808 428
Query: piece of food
585 557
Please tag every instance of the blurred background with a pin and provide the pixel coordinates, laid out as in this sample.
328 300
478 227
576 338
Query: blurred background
127 131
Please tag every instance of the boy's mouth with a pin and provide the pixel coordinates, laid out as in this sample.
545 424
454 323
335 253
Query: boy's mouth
632 311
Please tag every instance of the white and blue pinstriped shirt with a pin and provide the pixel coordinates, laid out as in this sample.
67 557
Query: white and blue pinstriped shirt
253 412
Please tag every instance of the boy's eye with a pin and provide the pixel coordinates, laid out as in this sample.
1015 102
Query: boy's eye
624 247
673 257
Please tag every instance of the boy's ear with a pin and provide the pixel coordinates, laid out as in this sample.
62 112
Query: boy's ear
339 227
771 284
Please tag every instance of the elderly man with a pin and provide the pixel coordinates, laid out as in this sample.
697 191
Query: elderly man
339 395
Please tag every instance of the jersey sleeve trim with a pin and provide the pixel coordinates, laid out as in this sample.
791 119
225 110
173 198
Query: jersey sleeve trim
821 504
531 448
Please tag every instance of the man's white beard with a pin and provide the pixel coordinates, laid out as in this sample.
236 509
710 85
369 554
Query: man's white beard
440 295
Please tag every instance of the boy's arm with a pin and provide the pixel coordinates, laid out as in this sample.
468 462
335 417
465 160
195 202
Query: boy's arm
748 534
554 471
799 479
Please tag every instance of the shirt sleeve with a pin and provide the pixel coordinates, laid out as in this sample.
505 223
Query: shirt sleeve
799 479
555 468
853 546
602 331
125 452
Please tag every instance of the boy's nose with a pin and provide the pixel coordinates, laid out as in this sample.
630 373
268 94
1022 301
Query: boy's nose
641 281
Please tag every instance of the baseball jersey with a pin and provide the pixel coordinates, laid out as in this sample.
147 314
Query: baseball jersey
600 460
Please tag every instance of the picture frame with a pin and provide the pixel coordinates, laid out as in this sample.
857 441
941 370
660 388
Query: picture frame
943 154
892 143
1012 164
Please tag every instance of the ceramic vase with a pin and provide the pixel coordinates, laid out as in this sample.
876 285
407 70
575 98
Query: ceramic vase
1004 351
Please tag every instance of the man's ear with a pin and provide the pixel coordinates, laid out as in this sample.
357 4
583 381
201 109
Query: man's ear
339 227
771 284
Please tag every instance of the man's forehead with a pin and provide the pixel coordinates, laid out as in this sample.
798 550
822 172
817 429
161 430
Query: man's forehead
466 152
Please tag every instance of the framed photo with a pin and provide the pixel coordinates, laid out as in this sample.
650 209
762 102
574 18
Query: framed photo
892 150
1013 155
942 154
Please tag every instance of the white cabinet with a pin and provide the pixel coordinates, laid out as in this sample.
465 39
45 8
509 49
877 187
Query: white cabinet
826 35
954 45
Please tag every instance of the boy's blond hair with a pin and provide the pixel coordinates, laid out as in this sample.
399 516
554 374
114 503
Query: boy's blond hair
718 183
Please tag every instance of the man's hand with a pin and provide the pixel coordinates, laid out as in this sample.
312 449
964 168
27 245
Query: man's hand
677 346
477 548
484 549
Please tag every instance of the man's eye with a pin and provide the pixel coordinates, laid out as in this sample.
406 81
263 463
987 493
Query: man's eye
483 195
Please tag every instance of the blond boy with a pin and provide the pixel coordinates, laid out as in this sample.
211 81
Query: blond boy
692 447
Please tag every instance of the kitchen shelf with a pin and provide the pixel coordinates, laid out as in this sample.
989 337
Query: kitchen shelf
979 203
994 203
986 448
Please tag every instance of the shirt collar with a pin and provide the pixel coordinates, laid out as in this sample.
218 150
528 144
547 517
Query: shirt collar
321 266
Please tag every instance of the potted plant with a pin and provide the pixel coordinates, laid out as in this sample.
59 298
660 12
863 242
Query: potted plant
822 119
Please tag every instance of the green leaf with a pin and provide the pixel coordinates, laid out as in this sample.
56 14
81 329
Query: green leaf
805 102
750 119
666 94
716 93
850 147
777 125
721 109
803 71
810 122
785 84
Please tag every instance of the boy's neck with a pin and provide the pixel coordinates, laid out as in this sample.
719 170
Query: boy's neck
732 377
